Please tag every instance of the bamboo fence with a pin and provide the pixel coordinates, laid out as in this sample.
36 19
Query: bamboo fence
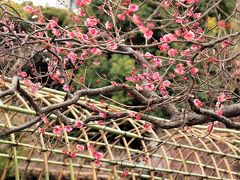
126 146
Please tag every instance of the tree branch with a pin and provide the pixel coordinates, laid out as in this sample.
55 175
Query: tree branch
12 89
6 132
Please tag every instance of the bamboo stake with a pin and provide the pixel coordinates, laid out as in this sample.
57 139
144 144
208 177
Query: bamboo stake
75 165
139 136
45 156
19 144
69 149
127 134
124 164
12 137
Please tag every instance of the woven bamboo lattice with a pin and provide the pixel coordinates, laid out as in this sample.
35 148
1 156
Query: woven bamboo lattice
159 154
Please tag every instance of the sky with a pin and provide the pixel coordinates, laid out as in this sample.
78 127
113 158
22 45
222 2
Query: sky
52 3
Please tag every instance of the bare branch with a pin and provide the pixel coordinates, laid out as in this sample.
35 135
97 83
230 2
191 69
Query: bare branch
6 132
13 88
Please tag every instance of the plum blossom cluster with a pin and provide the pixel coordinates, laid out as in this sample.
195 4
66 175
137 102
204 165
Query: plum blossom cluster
152 80
219 104
83 3
96 154
131 11
72 154
33 87
58 129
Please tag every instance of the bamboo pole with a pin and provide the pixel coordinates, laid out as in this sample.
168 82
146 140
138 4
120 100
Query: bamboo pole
69 150
14 149
123 164
45 157
124 133
75 165
81 156
139 136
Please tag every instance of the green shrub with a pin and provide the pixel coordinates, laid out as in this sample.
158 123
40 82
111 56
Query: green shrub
60 14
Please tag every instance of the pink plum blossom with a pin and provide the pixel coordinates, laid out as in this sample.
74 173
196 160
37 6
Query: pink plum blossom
157 62
66 87
68 128
108 25
80 147
189 35
28 9
179 69
56 32
112 46
71 34
172 52
100 123
155 75
81 13
125 174
193 71
57 130
102 115
149 87
137 20
121 17
83 3
91 22
148 55
84 55
139 87
164 47
219 112
185 52
221 98
197 15
222 24
169 38
132 8
197 103
166 83
165 4
52 24
179 20
97 155
132 114
78 124
148 34
96 51
72 155
45 119
22 74
92 31
147 126
33 88
72 56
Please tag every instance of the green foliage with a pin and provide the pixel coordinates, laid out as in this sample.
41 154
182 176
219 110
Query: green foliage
49 12
120 66
60 14
17 9
111 68
146 10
